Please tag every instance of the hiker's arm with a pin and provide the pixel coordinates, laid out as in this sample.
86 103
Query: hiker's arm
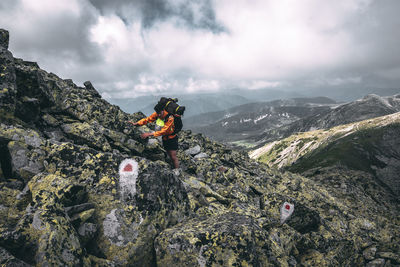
167 129
151 118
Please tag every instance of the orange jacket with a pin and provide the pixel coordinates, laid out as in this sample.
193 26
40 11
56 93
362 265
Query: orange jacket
166 131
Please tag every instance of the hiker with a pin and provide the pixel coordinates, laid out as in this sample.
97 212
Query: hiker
168 115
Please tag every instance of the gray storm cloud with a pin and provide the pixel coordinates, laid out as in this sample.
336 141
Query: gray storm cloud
195 14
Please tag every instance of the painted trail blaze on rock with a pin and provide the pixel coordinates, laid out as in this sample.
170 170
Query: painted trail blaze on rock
128 168
286 211
128 173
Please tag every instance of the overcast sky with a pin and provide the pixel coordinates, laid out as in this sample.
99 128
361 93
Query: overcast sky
130 48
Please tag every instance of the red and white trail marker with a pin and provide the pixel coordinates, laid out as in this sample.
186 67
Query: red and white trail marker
286 211
128 173
128 168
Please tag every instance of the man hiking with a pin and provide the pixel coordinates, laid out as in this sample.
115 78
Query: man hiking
168 115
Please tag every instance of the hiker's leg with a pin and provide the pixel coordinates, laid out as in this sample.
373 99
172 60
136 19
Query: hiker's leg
174 158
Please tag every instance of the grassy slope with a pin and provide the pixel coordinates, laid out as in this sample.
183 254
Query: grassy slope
352 145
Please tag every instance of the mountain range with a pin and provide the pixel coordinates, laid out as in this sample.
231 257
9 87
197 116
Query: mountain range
79 187
255 124
369 106
245 122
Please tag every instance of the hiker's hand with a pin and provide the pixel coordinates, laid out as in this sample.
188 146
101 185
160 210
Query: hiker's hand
145 135
133 123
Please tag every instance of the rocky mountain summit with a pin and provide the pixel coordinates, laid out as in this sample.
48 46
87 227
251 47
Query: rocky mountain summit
78 187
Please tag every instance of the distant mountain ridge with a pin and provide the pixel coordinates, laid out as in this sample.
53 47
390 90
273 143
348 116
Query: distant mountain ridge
254 124
370 106
245 121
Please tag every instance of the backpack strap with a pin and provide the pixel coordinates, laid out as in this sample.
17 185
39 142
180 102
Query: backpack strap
166 119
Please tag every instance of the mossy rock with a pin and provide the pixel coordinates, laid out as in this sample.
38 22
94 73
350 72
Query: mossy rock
7 259
226 240
86 134
49 189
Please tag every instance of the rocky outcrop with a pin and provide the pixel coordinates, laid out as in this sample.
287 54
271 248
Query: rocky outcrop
79 187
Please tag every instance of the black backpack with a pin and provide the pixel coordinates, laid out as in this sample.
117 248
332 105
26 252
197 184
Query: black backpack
170 105
177 123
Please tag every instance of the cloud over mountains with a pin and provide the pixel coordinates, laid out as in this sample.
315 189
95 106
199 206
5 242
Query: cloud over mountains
130 48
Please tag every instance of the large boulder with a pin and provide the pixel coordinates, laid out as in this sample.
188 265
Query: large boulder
22 151
25 162
58 243
226 240
138 212
84 133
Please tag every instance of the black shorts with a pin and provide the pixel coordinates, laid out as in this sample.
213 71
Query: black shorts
170 144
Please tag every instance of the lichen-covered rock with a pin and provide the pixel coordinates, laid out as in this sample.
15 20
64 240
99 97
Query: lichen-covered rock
159 200
393 257
376 263
44 234
6 259
87 231
25 162
8 90
50 189
226 240
85 134
4 38
16 133
12 205
89 86
58 243
369 253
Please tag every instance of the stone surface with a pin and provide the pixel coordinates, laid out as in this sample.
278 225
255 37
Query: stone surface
8 88
193 150
4 38
6 259
376 263
395 258
226 240
201 156
25 162
369 253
